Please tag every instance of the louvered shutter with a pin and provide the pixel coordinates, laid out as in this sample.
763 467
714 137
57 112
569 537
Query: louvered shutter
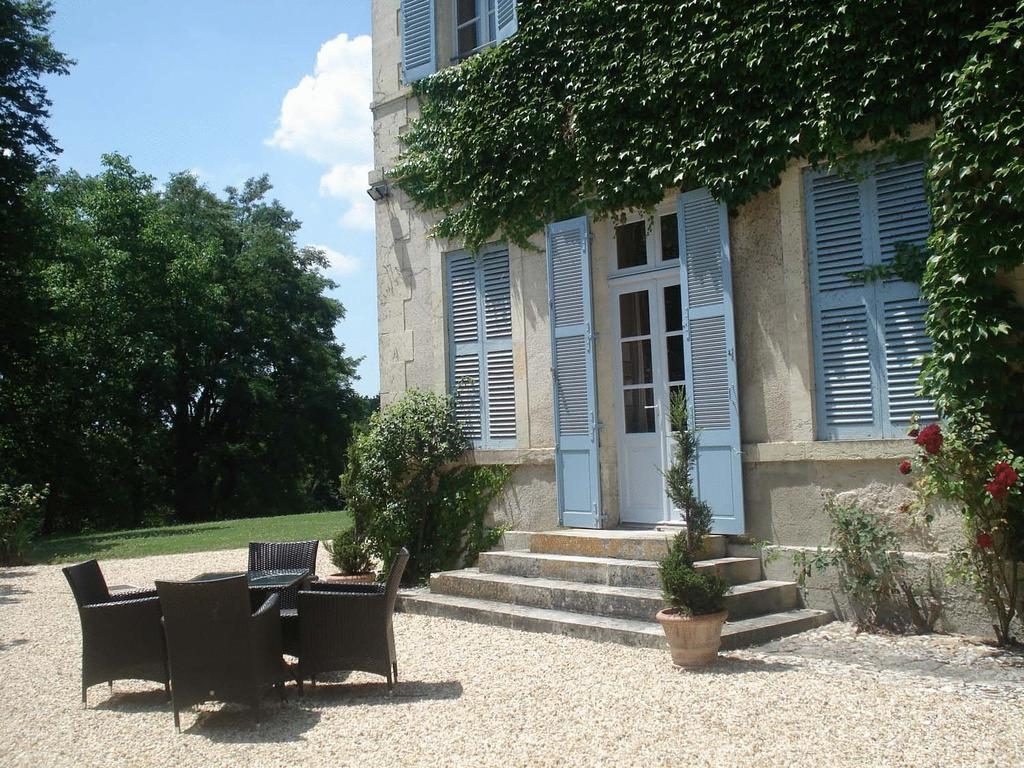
507 21
499 377
903 217
464 343
869 337
710 355
572 371
846 344
419 54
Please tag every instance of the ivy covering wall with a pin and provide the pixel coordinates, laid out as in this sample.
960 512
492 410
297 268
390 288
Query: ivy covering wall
602 105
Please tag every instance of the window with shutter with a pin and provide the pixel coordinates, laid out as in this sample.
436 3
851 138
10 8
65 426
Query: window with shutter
482 23
419 42
868 337
482 376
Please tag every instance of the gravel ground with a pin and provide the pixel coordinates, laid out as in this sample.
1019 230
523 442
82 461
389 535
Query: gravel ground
481 696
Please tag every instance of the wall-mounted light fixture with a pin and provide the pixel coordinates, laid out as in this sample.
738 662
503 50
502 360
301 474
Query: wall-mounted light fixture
378 191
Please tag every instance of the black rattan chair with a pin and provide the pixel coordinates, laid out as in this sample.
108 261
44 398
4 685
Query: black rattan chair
349 626
217 649
284 556
121 634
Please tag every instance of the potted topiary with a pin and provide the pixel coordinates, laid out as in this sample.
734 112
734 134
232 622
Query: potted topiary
693 622
350 556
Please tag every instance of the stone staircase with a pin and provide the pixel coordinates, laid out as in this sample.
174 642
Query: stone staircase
603 585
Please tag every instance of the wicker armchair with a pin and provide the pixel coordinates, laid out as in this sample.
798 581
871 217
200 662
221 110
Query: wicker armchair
284 556
349 627
121 634
217 649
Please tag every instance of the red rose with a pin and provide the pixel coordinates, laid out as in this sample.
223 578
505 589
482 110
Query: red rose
985 541
930 439
997 489
1005 474
905 467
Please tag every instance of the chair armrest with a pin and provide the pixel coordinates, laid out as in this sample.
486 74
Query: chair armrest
131 593
128 618
272 605
376 588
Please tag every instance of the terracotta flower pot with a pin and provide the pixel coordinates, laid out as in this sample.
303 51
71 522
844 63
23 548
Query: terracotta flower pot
693 640
350 578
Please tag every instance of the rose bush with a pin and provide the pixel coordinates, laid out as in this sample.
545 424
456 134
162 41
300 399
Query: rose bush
966 465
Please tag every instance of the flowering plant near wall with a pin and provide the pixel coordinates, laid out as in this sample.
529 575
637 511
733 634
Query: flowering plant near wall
962 464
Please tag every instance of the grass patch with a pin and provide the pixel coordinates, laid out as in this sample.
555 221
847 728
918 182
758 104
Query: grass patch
190 537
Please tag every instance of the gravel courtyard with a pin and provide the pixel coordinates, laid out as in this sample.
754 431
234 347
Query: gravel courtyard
479 696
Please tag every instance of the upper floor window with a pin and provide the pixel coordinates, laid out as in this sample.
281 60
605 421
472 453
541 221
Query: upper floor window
481 23
869 336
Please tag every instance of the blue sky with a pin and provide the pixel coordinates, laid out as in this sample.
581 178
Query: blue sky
230 89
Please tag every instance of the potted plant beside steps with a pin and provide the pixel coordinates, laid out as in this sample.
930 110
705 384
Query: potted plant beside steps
693 622
350 556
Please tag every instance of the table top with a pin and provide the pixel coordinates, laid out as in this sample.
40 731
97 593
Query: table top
261 579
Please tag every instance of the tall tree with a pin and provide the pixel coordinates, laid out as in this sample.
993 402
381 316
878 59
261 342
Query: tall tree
189 369
26 55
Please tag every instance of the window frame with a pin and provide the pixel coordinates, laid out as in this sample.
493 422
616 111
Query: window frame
485 11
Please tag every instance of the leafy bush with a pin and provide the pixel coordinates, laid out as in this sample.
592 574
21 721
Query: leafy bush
963 463
349 553
404 487
20 519
679 477
693 592
873 574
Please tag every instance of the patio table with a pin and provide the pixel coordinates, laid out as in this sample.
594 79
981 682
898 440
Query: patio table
262 583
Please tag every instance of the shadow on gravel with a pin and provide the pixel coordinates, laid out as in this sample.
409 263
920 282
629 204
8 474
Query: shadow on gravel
6 645
235 724
133 701
376 694
728 665
9 594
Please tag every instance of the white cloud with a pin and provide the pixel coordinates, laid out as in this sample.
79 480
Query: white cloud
326 117
348 182
338 264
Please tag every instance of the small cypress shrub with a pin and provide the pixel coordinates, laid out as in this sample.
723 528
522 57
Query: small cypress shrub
693 592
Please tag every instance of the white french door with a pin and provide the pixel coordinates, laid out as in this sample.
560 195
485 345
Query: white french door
649 368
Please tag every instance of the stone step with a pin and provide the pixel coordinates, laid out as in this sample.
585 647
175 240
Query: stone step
623 544
735 634
613 571
743 600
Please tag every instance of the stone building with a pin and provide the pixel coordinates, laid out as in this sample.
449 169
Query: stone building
563 359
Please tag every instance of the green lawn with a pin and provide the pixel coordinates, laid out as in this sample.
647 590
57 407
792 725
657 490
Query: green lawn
195 537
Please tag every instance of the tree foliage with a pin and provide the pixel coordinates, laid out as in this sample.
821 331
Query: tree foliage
186 367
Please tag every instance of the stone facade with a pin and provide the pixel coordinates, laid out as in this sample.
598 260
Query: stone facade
785 469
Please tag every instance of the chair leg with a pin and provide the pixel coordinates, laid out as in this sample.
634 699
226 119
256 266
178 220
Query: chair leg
167 691
84 688
394 666
177 720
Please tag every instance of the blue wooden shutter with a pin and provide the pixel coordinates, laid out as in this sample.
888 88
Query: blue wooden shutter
464 343
507 20
868 338
903 217
845 339
710 356
572 371
419 55
498 381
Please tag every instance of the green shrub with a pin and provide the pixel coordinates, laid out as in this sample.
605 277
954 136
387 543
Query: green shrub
20 520
404 487
693 592
696 514
349 553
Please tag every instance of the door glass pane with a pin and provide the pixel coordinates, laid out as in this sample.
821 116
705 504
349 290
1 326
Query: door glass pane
674 391
669 238
636 362
631 245
635 314
674 352
673 309
639 404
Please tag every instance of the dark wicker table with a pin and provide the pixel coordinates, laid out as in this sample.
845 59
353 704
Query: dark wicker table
262 583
